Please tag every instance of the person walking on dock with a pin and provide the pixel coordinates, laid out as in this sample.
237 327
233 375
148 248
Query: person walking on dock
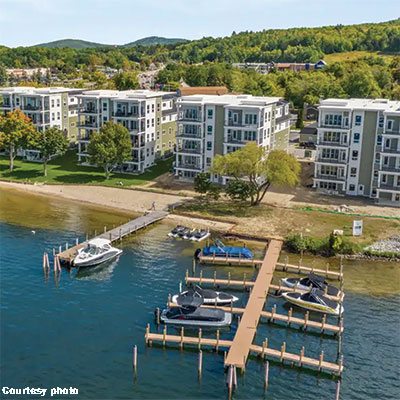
153 206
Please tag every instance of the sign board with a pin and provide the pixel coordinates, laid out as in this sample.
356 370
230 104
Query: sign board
357 228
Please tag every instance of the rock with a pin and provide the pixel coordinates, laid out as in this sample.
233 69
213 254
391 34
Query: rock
387 245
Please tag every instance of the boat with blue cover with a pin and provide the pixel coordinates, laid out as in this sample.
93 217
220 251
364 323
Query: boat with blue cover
220 250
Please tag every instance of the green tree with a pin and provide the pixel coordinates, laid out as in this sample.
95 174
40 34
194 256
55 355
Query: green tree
110 147
239 190
50 142
251 165
299 120
16 131
126 81
204 186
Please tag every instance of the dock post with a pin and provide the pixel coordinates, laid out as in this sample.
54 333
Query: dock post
215 277
164 334
306 320
217 344
157 316
44 261
110 237
199 338
120 237
289 316
194 265
234 377
321 359
273 313
95 233
337 390
224 357
54 251
301 357
180 286
182 333
87 236
283 349
229 382
76 242
266 375
229 278
286 263
323 323
135 359
60 249
231 306
169 299
341 269
146 336
186 276
200 363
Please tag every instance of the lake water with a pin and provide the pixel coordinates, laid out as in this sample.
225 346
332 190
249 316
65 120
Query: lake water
80 332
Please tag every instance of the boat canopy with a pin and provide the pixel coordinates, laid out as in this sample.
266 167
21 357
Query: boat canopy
99 242
190 299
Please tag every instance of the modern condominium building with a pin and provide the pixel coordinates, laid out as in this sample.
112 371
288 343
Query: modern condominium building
209 125
358 149
46 107
149 116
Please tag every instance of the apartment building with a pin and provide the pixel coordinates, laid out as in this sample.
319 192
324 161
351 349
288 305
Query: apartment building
149 116
46 107
209 125
358 149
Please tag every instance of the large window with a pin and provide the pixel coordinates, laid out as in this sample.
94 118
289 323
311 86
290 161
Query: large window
333 119
250 119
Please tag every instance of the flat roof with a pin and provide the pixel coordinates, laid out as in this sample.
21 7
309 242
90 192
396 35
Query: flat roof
385 105
240 100
125 94
28 90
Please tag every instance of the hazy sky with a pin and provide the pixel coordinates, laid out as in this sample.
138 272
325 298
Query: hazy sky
28 22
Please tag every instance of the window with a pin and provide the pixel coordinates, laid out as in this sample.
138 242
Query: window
352 188
209 129
379 140
210 113
333 119
384 178
65 101
354 155
148 108
52 102
356 138
353 172
250 119
104 106
377 158
158 121
53 117
376 173
148 123
358 120
152 108
152 122
381 121
58 103
65 114
390 125
209 145
169 131
158 106
104 119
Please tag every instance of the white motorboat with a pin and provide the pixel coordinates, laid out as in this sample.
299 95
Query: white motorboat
96 252
313 281
209 296
199 234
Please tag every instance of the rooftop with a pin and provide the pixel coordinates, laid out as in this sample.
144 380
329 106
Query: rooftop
231 100
385 105
126 94
28 90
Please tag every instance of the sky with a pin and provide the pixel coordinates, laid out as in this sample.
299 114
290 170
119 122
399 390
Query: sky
29 22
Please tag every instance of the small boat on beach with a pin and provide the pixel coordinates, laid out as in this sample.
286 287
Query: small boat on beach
199 235
209 296
96 252
315 301
220 250
183 232
313 281
176 231
189 313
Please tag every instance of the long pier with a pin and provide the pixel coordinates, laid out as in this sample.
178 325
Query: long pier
115 234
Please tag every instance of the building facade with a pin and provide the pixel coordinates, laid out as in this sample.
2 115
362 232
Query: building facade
209 125
46 107
358 149
149 116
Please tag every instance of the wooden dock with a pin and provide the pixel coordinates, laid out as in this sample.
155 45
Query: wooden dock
292 268
239 351
115 234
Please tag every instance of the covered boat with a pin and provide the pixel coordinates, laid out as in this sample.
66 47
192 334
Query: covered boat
209 296
189 313
220 250
96 252
315 281
315 301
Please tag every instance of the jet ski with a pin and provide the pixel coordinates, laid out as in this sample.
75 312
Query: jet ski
175 232
188 235
315 281
199 234
209 296
189 313
184 232
315 301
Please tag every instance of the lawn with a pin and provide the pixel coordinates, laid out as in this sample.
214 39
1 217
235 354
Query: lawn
354 55
65 169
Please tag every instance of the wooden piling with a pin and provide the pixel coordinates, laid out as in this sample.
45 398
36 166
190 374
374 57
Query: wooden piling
200 363
321 359
301 356
230 381
157 316
215 278
283 349
194 265
337 394
201 276
229 278
273 313
182 334
66 246
135 359
217 344
306 320
164 334
60 249
289 316
199 338
234 377
44 261
323 323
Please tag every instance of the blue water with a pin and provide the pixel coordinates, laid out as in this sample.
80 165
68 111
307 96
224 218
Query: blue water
80 332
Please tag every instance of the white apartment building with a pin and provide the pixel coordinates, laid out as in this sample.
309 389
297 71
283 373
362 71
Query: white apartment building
149 116
358 149
209 125
46 107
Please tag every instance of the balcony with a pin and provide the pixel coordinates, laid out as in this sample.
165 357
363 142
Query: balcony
330 160
188 150
189 117
387 168
89 111
332 144
137 145
393 132
194 167
5 105
122 114
389 188
330 178
87 124
338 126
31 107
389 150
240 124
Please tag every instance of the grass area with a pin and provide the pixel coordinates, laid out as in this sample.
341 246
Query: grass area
272 221
65 169
354 55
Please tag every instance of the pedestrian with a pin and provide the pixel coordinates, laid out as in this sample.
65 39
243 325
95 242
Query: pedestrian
153 206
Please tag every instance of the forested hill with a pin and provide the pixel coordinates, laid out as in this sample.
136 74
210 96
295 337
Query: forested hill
154 40
296 44
71 43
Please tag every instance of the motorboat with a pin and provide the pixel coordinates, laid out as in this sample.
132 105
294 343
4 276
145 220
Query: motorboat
315 281
96 252
314 300
220 250
199 234
189 313
176 231
209 296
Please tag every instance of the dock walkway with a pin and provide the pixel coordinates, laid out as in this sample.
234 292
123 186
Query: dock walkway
116 233
242 342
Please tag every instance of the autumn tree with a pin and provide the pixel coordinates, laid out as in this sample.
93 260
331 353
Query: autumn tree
50 142
16 131
110 147
260 171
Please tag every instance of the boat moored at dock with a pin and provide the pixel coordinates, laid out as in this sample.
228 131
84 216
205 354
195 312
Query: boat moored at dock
220 250
313 281
97 251
209 296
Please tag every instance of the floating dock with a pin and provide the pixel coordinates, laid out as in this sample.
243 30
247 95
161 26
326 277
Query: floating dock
115 234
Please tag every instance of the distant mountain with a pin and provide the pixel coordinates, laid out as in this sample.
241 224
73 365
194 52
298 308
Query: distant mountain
72 43
148 41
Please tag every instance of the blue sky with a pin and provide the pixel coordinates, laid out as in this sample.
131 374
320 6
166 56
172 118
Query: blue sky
28 22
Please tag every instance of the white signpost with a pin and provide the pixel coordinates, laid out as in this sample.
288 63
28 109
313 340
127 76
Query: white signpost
357 228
